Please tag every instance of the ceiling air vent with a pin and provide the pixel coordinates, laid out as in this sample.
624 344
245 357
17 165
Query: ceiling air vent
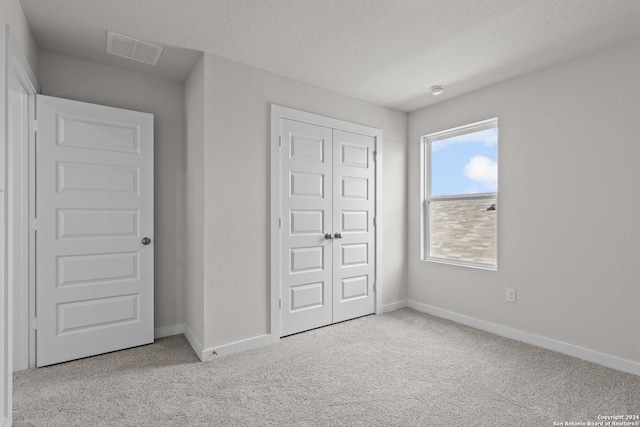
137 50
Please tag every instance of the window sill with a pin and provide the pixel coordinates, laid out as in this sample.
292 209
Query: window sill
489 267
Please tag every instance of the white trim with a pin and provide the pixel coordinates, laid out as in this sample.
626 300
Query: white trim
237 347
476 265
277 113
462 130
182 328
395 306
15 66
548 343
168 331
6 422
274 219
211 353
18 203
302 116
193 341
379 224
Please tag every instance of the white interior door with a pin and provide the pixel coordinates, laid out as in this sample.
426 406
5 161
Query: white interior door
353 216
94 207
327 256
306 180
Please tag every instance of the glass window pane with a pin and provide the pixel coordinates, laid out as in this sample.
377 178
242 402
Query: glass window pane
463 230
465 164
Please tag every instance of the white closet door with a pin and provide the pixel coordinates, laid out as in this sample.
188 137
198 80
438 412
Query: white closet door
327 234
94 196
306 193
353 216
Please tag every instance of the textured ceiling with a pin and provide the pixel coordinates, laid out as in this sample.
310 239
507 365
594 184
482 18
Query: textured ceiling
384 51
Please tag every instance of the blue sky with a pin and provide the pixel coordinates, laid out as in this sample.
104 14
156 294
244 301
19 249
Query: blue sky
465 164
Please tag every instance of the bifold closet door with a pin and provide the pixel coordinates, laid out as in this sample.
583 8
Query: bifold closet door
327 258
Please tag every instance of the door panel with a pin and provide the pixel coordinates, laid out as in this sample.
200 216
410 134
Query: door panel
306 180
94 313
96 223
353 213
94 197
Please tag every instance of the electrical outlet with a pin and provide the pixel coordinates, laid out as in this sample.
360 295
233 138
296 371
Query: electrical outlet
511 295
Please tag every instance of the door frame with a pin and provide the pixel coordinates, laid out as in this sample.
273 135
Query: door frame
18 271
277 113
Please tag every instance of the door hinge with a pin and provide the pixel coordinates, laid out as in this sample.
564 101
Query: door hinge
280 303
280 222
33 125
34 224
375 288
374 221
33 324
279 141
375 156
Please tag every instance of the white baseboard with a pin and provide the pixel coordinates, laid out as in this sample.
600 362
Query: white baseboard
211 353
181 328
259 341
195 344
238 346
168 331
550 344
6 422
394 306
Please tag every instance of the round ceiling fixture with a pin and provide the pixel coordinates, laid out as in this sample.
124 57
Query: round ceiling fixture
437 90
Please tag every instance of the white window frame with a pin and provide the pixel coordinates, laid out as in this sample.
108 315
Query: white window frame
427 198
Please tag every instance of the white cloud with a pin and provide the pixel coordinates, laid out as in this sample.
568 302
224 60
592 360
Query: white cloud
484 171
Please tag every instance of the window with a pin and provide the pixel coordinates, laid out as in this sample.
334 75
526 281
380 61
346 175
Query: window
460 191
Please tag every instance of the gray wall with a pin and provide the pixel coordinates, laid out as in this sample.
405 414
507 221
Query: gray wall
569 148
67 77
236 177
10 14
194 93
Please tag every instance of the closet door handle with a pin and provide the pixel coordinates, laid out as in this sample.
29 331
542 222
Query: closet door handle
338 235
328 236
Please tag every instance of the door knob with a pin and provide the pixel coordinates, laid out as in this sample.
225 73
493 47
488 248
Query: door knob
328 236
338 235
146 241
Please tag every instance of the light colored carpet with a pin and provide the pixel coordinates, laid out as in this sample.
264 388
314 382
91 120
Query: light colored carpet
399 369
